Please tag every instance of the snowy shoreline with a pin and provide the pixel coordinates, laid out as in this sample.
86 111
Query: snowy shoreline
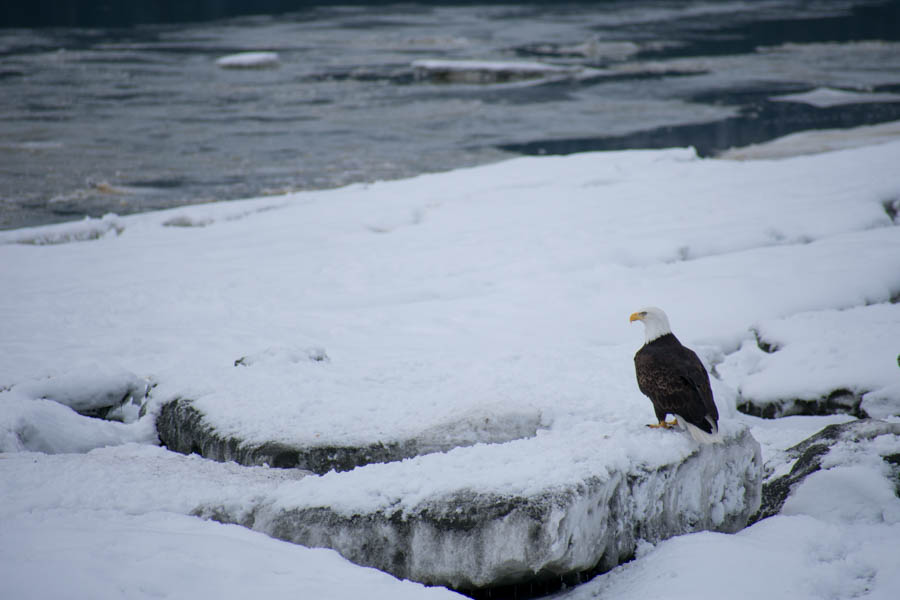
451 307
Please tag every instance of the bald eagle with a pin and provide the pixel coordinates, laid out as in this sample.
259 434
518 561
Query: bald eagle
674 379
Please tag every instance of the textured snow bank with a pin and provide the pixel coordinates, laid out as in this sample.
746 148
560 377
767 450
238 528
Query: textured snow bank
77 231
814 359
523 511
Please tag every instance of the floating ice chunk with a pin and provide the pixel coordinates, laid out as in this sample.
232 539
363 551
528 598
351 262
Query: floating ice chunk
827 97
249 60
483 71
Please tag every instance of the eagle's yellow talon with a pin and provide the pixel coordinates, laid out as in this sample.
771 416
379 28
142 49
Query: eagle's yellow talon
664 424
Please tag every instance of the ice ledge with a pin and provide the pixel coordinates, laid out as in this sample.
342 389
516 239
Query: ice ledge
183 428
473 541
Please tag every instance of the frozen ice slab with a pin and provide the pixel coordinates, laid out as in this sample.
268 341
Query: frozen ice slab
184 428
553 506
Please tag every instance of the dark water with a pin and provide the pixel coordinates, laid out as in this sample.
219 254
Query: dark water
97 119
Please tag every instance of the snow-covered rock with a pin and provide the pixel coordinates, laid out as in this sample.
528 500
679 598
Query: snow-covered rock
835 445
820 362
487 516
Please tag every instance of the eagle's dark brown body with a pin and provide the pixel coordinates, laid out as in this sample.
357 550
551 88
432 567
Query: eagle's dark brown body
677 383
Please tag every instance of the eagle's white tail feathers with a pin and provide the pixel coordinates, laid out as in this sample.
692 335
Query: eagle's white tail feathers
701 436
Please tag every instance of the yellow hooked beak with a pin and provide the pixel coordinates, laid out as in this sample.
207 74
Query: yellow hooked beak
638 316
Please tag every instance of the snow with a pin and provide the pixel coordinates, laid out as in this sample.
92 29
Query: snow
249 60
139 556
794 557
422 309
116 520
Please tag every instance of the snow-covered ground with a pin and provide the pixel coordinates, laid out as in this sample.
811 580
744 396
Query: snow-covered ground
448 305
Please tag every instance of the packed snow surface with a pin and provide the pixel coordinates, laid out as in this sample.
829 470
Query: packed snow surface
498 293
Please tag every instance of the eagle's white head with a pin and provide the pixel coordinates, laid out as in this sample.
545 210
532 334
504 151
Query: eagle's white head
656 323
